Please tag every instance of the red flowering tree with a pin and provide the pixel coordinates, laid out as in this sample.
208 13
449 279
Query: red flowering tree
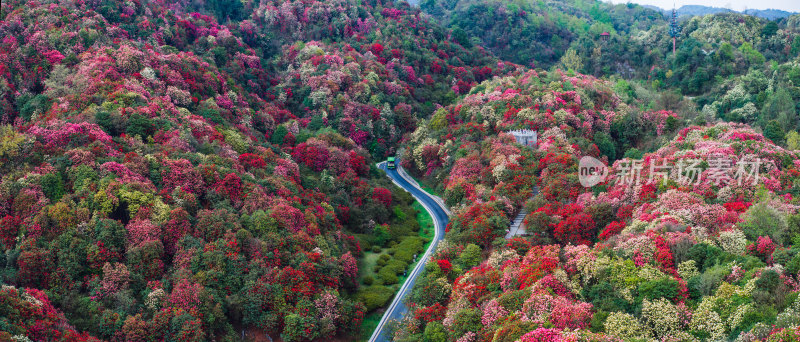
252 160
9 226
480 223
176 227
576 226
181 173
382 195
231 186
611 229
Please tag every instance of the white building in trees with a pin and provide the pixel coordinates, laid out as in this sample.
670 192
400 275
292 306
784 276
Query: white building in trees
525 137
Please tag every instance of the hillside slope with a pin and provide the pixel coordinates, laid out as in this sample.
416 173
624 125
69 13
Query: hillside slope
172 171
704 258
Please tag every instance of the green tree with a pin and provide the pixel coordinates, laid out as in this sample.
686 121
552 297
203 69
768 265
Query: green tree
53 186
28 104
435 332
10 143
316 123
763 220
774 131
633 153
140 125
278 135
571 61
605 145
461 37
752 55
103 118
467 320
795 50
725 52
226 9
780 107
793 140
769 29
381 235
662 288
470 257
299 328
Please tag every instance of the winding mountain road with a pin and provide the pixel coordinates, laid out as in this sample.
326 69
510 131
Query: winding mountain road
439 213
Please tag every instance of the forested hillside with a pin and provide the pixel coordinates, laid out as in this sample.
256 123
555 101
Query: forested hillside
713 259
714 54
173 171
182 170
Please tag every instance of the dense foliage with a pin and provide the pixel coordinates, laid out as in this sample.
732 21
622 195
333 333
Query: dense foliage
176 170
178 175
741 67
715 259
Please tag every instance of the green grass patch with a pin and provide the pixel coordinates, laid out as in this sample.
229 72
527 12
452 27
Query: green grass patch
427 187
425 222
369 324
366 264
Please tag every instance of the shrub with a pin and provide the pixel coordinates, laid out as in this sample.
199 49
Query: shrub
368 280
53 186
397 266
375 296
773 131
768 281
279 135
783 256
383 259
108 123
430 289
470 256
465 321
634 153
512 331
435 332
793 266
663 288
399 214
764 220
704 255
707 283
605 145
407 248
387 276
599 321
793 229
141 126
382 235
604 297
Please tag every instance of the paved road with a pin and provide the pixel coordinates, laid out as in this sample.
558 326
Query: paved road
518 224
397 309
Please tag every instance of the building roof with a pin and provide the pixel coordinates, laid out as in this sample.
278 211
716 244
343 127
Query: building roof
523 132
605 34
